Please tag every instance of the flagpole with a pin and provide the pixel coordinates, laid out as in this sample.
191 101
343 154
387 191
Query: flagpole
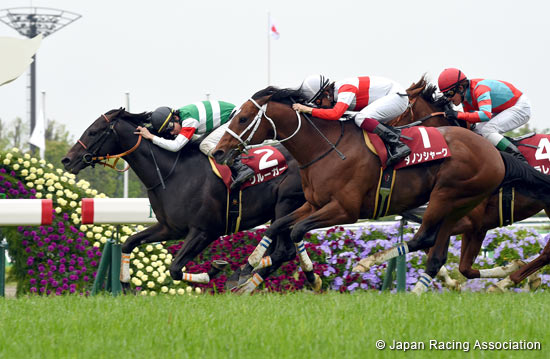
268 48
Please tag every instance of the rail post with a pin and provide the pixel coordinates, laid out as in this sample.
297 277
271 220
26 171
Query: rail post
3 247
401 262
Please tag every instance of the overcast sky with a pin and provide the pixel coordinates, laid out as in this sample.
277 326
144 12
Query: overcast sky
172 53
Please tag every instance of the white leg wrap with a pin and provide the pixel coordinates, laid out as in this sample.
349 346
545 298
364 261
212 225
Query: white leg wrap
125 268
501 272
256 256
504 284
196 278
424 282
251 284
381 257
444 275
305 262
264 263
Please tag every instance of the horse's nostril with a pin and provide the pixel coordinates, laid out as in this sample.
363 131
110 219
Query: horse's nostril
218 155
65 160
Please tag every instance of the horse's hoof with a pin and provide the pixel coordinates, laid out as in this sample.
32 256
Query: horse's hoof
363 265
245 288
220 264
493 288
317 284
534 281
233 281
243 278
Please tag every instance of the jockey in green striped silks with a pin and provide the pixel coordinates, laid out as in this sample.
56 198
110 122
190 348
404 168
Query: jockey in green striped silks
198 118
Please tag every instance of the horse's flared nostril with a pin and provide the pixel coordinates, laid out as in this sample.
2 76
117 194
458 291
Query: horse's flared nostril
65 161
218 156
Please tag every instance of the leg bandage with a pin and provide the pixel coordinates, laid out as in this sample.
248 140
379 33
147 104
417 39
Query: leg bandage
196 278
305 262
256 256
264 263
125 268
423 284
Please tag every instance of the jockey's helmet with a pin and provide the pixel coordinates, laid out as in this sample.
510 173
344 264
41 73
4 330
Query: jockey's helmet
313 86
449 79
161 117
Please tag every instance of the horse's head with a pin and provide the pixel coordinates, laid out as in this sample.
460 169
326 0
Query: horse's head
251 124
424 106
100 139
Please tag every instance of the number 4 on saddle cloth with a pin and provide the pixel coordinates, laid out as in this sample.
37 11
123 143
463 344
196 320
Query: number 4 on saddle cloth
426 144
536 150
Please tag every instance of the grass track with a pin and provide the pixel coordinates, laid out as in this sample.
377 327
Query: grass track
297 325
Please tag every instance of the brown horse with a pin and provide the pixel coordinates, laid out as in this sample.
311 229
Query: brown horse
340 184
424 106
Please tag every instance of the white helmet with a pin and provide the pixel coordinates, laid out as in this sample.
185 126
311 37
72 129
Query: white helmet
313 86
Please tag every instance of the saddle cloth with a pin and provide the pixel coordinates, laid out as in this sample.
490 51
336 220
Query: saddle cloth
538 157
266 161
427 144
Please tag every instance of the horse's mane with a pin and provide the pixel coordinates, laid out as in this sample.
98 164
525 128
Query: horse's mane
428 92
287 96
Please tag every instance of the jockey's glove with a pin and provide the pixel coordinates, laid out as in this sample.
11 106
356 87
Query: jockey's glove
451 114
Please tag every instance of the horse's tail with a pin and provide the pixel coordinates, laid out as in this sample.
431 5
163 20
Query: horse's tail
526 180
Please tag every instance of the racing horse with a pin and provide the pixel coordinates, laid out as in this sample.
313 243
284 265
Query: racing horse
340 176
188 199
426 109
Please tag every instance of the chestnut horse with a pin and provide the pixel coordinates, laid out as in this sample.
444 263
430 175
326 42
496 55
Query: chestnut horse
340 180
426 107
193 203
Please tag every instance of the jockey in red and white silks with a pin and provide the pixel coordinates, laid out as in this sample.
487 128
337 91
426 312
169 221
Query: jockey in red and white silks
377 99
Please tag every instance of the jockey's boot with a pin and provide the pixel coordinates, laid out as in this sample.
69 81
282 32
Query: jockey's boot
391 137
514 151
240 173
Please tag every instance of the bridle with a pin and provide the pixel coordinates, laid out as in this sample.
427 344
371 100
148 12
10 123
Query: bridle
255 123
90 157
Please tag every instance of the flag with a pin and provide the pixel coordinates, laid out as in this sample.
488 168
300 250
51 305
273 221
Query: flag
38 136
273 30
17 55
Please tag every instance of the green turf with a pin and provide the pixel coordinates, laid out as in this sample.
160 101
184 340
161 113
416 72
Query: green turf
297 325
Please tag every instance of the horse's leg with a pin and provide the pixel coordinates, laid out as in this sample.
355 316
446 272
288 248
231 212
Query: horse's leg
195 242
278 227
155 233
525 271
330 214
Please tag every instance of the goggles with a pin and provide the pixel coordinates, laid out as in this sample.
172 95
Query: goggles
450 93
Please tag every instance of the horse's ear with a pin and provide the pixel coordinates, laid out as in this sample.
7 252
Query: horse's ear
414 90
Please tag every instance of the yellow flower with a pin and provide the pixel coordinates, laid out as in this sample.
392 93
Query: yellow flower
34 160
149 269
38 195
9 156
155 274
89 234
49 196
188 289
50 166
57 209
73 204
26 164
143 293
181 291
25 172
153 293
172 291
40 171
83 228
30 184
15 149
51 188
144 277
149 248
26 156
16 166
139 273
145 260
164 289
39 187
140 265
198 290
64 179
136 281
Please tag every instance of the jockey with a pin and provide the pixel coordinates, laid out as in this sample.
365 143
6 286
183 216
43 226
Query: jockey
494 106
198 118
376 98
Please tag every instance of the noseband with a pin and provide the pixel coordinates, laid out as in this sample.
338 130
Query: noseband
90 157
255 123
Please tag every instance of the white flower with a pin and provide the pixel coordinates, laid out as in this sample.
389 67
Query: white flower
164 289
149 269
49 196
57 209
172 291
135 262
144 277
98 236
71 182
102 240
9 156
38 195
64 179
140 265
188 289
83 228
39 187
149 248
143 293
51 188
73 204
136 281
139 273
153 293
89 234
108 233
198 290
20 160
154 257
159 246
40 171
30 184
141 254
16 166
34 160
151 284
176 282
25 173
26 156
50 166
162 256
155 274
26 164
32 169
15 149
181 291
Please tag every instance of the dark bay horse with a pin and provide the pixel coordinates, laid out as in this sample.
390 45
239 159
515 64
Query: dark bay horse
340 191
474 226
193 205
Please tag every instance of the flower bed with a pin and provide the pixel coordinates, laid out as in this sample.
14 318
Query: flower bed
63 258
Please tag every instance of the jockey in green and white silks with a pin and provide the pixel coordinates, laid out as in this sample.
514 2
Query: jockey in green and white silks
195 119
